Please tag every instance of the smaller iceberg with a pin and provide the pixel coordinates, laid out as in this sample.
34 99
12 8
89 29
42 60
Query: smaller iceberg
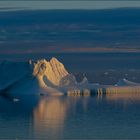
84 81
124 82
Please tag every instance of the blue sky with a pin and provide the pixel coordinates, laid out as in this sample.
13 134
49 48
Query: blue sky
68 4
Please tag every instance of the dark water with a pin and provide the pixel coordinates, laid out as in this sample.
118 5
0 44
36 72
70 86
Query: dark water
112 117
32 31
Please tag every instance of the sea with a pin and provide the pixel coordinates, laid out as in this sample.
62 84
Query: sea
76 38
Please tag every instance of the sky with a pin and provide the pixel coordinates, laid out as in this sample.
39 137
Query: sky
26 4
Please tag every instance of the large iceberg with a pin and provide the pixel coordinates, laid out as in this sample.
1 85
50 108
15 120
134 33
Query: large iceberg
42 76
52 78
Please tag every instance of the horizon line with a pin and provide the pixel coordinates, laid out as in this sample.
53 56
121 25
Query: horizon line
13 9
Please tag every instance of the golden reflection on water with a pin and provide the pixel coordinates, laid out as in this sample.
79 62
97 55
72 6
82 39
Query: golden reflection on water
126 97
50 114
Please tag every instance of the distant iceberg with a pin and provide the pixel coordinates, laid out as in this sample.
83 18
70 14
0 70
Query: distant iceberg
124 82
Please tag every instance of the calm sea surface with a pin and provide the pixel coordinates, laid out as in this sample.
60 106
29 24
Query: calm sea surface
113 117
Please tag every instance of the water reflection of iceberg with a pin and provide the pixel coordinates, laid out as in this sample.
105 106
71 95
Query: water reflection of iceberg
130 97
48 115
52 113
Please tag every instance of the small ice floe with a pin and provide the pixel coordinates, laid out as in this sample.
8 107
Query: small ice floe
15 99
117 43
106 73
126 74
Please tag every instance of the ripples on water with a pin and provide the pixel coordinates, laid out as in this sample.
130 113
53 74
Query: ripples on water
111 117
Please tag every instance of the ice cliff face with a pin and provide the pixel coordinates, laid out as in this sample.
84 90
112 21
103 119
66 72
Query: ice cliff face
53 70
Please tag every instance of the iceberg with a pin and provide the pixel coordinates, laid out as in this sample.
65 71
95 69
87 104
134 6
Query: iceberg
43 77
124 82
28 77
